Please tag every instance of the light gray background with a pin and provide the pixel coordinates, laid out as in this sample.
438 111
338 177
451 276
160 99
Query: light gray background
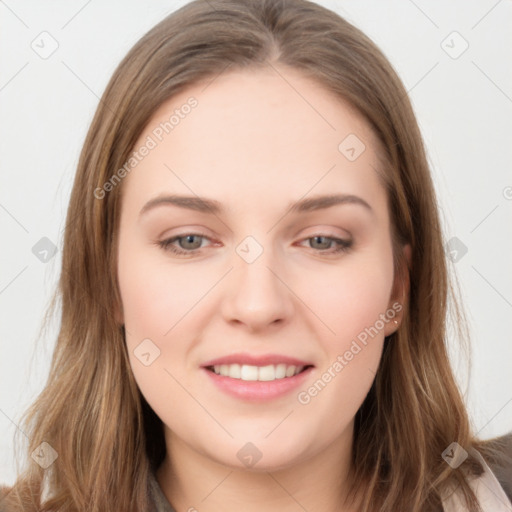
464 108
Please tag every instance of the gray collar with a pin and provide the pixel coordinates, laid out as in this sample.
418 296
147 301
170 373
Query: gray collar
159 502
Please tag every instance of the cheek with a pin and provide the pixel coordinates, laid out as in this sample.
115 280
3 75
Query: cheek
350 297
156 296
161 303
351 355
154 302
351 300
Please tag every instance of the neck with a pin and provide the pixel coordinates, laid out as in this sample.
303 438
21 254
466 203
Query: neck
192 481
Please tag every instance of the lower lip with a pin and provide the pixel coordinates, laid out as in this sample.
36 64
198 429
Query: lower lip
255 390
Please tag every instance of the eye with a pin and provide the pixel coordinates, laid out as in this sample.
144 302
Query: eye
191 243
324 242
188 242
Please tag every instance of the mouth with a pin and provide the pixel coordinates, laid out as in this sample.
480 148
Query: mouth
249 387
266 373
262 378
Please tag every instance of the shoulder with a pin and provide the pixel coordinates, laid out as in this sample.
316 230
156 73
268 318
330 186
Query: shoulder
502 467
493 487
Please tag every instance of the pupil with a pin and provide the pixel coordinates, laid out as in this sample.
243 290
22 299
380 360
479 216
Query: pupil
319 238
189 239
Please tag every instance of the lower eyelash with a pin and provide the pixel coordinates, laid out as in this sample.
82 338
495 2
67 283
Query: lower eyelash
342 245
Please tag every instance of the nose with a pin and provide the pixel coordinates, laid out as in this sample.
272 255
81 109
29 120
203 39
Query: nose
257 295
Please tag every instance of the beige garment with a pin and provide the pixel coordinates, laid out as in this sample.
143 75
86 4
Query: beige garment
489 492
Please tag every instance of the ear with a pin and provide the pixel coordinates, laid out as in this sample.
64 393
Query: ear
400 290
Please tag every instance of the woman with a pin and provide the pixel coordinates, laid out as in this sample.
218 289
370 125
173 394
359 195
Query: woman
256 370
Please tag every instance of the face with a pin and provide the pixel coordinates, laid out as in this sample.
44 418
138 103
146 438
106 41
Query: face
250 286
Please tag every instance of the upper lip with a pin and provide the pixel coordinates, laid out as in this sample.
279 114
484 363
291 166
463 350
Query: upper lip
253 360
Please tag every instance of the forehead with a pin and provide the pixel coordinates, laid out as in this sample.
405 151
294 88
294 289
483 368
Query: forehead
269 132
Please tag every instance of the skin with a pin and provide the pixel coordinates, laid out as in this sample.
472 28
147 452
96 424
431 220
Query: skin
255 145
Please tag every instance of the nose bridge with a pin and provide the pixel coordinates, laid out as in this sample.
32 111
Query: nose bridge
257 295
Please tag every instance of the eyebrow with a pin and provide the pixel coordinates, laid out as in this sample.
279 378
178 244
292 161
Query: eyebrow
205 205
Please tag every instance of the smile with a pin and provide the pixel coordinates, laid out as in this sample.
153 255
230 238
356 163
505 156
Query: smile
258 384
257 373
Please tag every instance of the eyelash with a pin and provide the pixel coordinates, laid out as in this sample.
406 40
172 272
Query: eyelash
343 245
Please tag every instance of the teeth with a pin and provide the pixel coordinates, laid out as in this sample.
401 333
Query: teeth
290 371
261 373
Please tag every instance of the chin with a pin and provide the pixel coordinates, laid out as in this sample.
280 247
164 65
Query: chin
260 455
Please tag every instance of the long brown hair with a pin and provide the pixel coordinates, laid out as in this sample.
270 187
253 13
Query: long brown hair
91 412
